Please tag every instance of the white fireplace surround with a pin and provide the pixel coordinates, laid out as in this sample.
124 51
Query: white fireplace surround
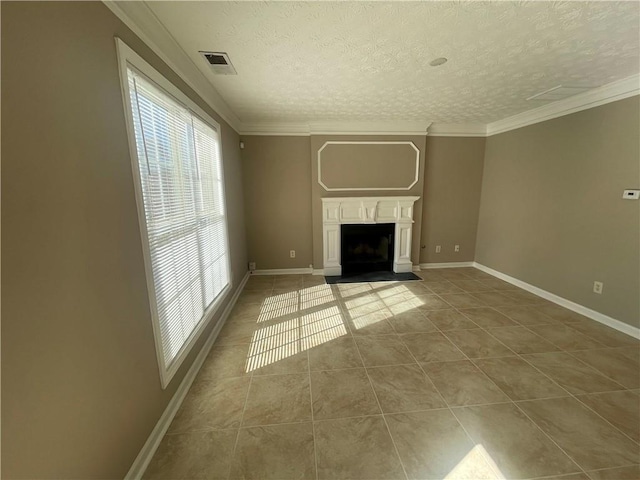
362 210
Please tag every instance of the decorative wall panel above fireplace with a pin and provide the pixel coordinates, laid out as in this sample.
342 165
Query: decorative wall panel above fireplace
363 210
373 166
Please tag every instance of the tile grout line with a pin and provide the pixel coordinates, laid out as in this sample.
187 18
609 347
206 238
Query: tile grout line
603 418
516 406
569 393
571 353
313 424
235 445
549 378
490 463
590 409
386 424
487 460
611 468
555 344
244 408
550 438
527 362
485 331
572 395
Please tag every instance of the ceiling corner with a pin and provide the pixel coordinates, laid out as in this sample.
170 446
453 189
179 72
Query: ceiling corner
619 90
144 23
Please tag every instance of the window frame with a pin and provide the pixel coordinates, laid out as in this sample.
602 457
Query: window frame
127 58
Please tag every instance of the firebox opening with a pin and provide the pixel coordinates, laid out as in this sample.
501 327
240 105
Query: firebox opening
367 248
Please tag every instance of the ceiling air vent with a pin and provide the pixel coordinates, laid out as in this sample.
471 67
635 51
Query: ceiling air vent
219 63
558 93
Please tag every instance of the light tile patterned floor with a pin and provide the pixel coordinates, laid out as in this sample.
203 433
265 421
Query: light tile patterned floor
458 376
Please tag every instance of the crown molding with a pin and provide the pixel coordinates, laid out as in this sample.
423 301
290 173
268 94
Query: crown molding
367 128
337 128
394 127
277 129
457 130
621 89
143 22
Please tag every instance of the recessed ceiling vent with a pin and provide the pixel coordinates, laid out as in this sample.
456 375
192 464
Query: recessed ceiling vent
219 63
558 93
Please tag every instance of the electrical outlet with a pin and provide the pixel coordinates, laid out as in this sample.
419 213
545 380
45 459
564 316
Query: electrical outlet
292 253
438 248
456 248
597 287
252 266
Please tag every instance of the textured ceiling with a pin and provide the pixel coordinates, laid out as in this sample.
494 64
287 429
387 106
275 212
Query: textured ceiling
362 61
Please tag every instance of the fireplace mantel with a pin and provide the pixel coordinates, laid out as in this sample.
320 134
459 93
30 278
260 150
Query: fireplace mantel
351 210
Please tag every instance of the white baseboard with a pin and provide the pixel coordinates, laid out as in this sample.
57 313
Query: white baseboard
320 271
141 462
284 271
563 302
427 266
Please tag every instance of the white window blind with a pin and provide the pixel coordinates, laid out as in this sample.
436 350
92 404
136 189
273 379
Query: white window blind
180 176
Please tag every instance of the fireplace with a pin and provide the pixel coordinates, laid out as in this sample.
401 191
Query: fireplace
367 248
367 212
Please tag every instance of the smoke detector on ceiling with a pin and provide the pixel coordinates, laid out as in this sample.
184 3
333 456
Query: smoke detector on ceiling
558 93
219 63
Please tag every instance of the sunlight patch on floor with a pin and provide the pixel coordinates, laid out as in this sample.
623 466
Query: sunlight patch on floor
279 306
364 309
394 291
311 316
347 290
360 301
273 343
476 465
368 319
403 301
314 296
321 327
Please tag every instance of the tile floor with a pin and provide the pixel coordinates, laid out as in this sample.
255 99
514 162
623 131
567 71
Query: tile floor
458 376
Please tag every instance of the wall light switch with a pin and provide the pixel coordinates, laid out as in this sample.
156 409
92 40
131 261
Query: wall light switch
438 248
631 194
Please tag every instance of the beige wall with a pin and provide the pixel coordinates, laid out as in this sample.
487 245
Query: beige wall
317 141
552 212
280 181
277 192
80 384
452 184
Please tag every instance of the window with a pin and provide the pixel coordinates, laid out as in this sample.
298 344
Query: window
178 170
